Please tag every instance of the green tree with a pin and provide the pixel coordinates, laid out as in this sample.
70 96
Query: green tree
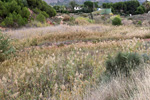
140 10
20 21
72 5
146 5
13 6
45 14
41 18
9 20
25 12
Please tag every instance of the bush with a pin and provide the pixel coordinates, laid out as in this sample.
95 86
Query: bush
8 21
66 18
45 14
123 63
140 10
36 10
25 13
5 47
82 21
37 24
139 23
19 9
116 20
14 20
41 18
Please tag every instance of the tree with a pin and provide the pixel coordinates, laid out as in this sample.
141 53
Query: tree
132 6
89 5
41 18
72 4
146 4
9 20
25 12
140 10
127 7
16 12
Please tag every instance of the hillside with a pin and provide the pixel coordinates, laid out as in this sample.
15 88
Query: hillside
81 1
16 13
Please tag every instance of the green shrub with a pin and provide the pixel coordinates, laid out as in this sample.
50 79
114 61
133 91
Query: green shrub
25 13
8 21
123 63
45 14
116 20
37 24
41 18
139 23
72 18
21 21
83 21
36 10
15 13
5 47
140 10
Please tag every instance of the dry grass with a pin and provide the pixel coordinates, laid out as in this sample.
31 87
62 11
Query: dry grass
122 88
75 34
63 72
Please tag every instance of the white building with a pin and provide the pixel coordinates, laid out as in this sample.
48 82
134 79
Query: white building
77 8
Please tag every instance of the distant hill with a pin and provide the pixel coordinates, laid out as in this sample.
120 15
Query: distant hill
81 1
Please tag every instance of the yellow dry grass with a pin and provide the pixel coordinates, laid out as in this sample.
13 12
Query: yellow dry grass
63 72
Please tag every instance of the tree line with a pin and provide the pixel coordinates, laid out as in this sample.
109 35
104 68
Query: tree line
15 13
127 7
122 8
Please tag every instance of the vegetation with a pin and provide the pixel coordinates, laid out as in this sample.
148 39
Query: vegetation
136 87
61 62
116 20
123 63
5 48
82 21
127 7
89 5
146 4
140 10
15 13
72 4
41 18
67 62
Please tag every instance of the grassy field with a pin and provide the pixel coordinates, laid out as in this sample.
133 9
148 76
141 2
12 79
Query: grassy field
67 62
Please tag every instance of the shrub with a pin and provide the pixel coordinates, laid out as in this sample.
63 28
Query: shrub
9 8
36 10
82 21
116 20
123 63
21 21
25 13
37 24
45 14
5 47
139 23
66 18
8 21
72 19
84 15
41 18
140 10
